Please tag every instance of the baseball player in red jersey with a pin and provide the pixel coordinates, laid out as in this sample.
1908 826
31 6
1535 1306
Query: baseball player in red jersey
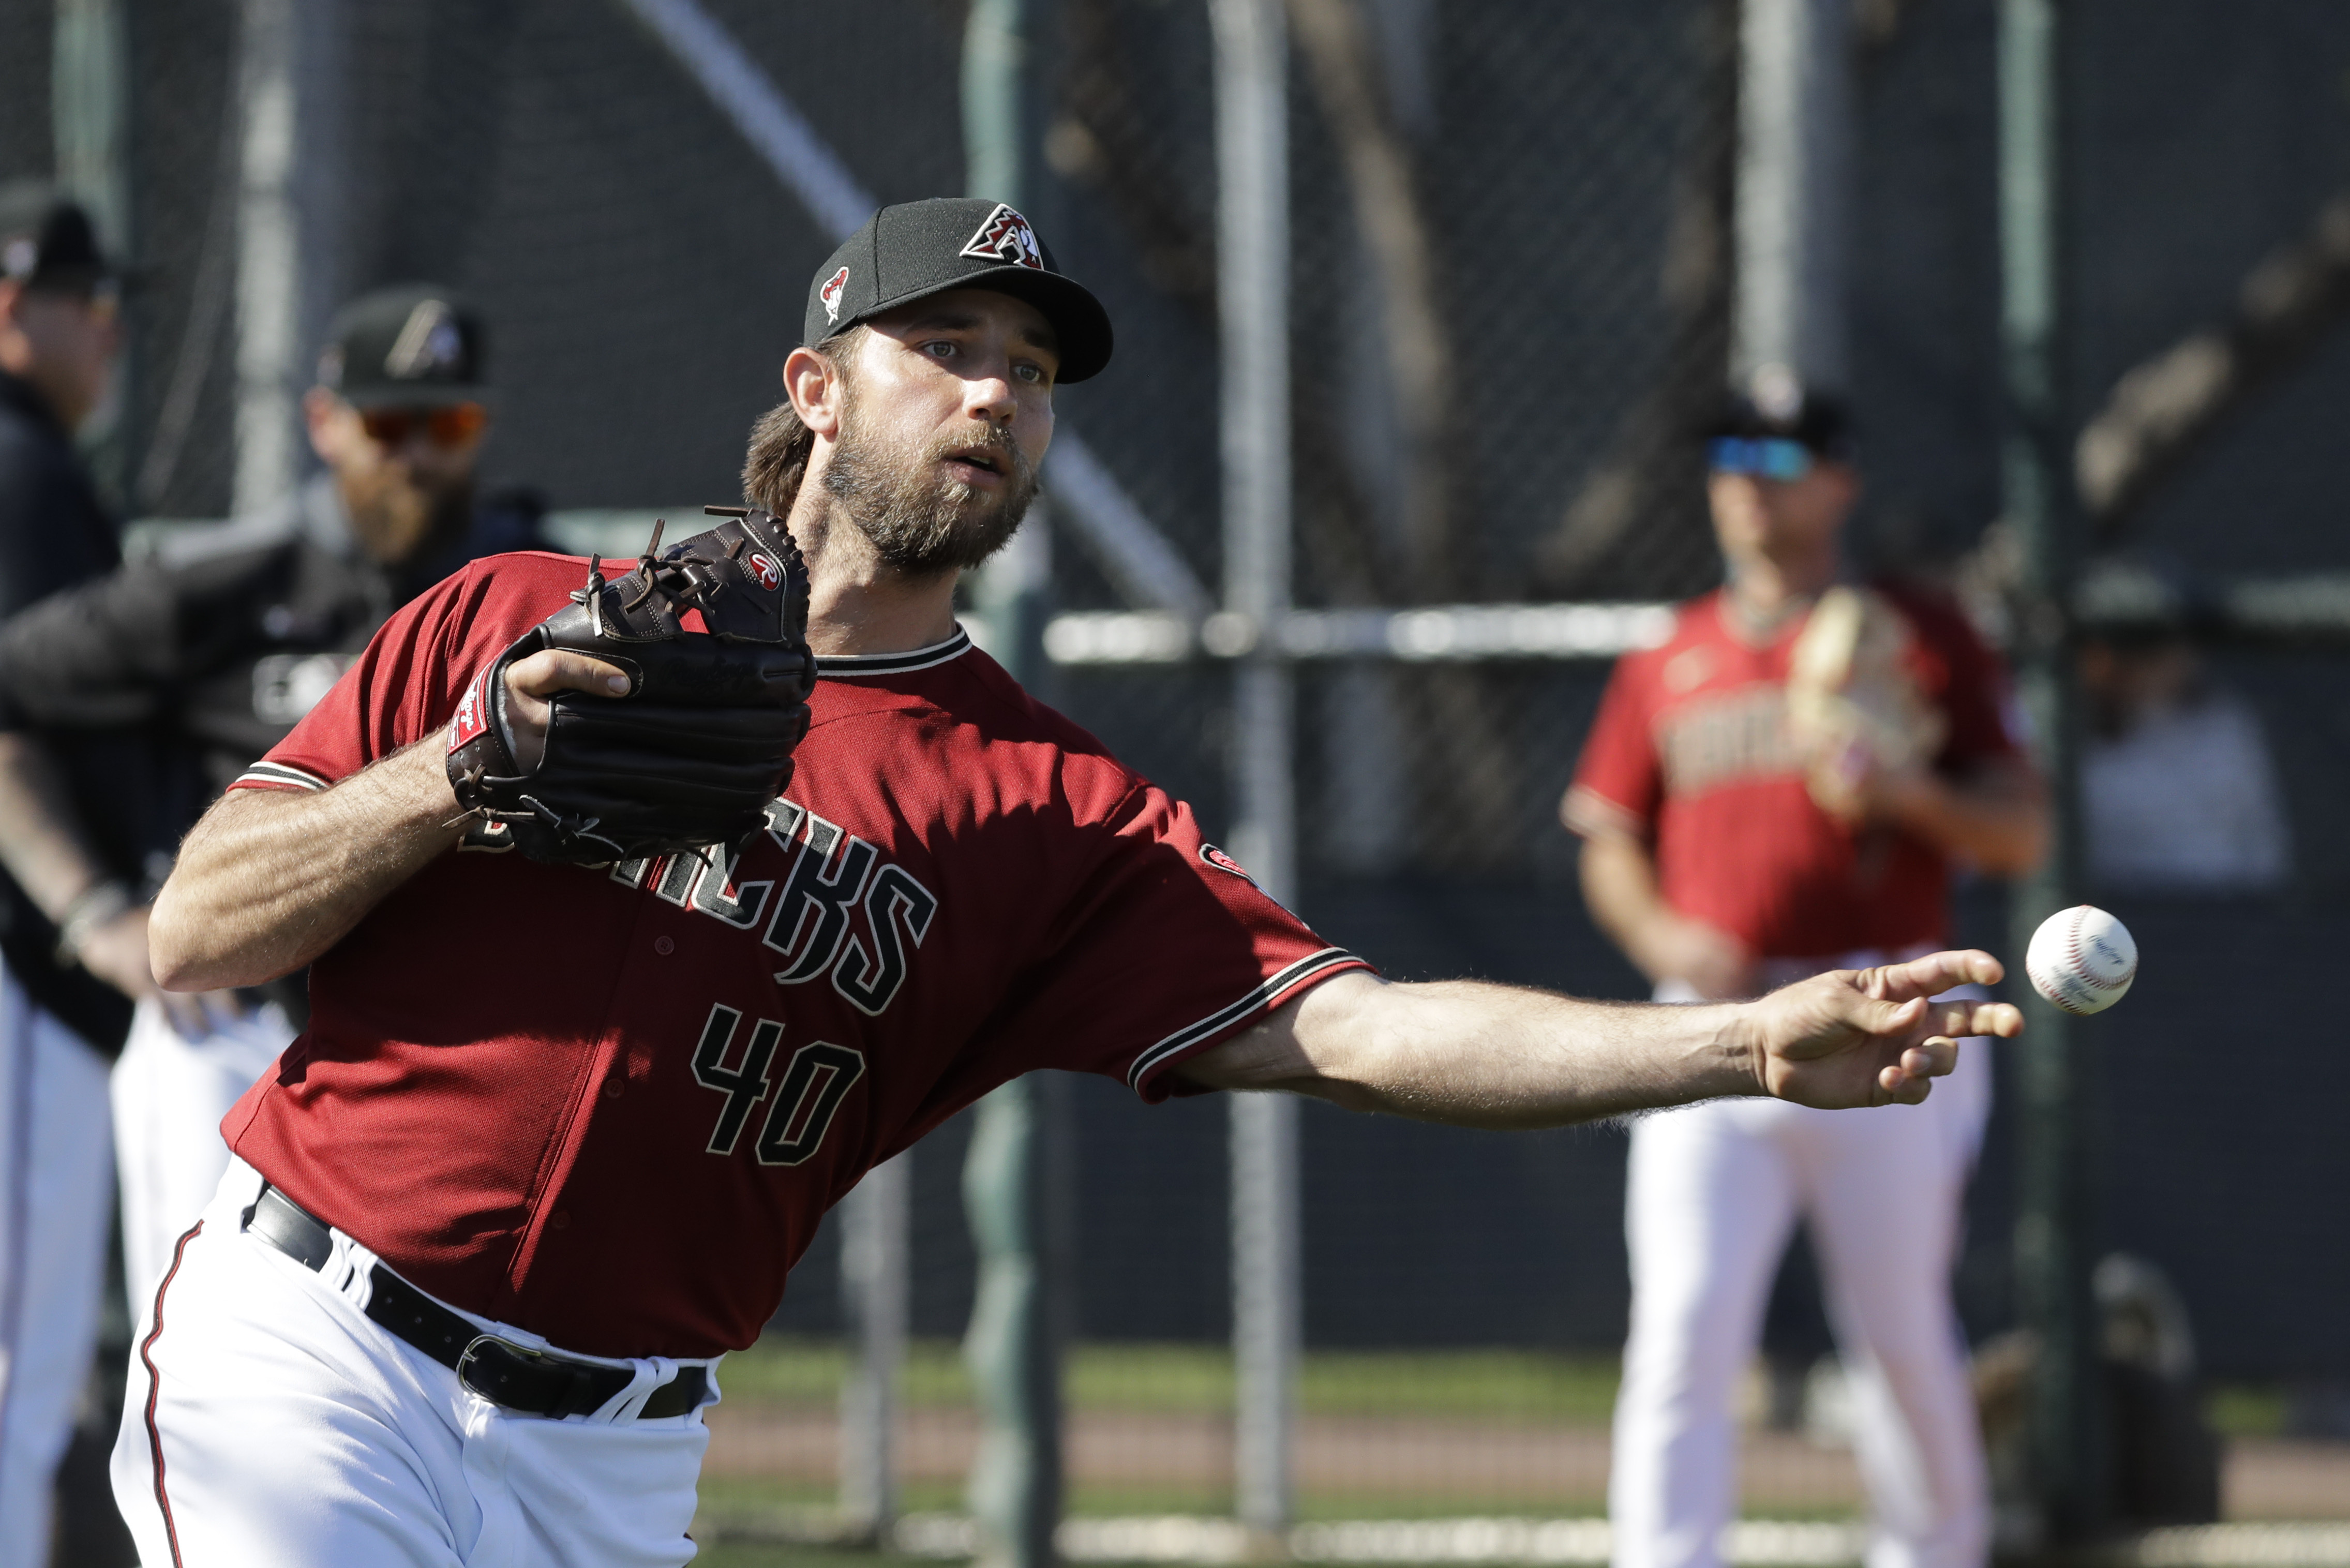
557 1132
1777 791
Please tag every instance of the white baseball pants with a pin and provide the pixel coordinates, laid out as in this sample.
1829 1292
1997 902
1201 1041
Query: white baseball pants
271 1424
56 1187
1714 1191
170 1094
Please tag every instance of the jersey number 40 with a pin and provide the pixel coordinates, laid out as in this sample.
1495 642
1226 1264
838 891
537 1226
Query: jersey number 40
814 1082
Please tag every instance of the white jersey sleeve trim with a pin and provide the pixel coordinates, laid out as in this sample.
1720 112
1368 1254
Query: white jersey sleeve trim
1234 1011
849 666
280 775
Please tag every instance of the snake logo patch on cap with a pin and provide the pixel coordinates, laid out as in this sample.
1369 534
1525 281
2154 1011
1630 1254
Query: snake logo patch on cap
831 294
429 341
1006 237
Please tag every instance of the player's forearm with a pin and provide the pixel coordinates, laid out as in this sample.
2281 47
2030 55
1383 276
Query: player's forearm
40 843
1619 889
270 880
1478 1054
1997 820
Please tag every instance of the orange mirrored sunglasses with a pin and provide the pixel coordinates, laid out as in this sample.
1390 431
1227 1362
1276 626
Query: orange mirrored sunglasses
451 425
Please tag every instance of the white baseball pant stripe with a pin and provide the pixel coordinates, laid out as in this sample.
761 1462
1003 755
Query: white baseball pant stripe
271 1424
1714 1194
56 1192
170 1094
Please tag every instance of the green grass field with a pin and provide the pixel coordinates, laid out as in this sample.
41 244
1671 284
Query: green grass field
1191 1379
1503 1385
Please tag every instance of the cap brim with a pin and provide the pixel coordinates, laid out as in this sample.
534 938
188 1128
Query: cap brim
1079 324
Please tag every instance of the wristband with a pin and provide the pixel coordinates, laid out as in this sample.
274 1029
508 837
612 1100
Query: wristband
101 903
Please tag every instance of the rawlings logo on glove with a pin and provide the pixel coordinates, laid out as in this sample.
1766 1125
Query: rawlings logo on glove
713 635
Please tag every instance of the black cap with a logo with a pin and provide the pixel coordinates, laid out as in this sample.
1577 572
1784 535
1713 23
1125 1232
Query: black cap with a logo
412 346
46 241
1776 404
917 249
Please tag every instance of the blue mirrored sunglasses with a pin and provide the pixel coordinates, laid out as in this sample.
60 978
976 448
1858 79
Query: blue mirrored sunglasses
1765 457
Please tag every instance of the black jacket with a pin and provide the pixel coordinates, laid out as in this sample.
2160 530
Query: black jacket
54 535
226 635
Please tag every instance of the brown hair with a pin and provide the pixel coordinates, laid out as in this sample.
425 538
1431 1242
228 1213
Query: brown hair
780 444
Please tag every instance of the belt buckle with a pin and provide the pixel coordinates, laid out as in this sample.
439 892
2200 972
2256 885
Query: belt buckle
465 1362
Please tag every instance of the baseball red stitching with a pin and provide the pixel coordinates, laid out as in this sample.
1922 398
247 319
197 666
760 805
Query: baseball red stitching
2080 913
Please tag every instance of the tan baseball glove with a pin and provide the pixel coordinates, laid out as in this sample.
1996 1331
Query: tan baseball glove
1853 703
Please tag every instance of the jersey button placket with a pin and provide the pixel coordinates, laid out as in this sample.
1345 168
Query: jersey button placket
664 945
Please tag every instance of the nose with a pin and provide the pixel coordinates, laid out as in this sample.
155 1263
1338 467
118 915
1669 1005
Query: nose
990 397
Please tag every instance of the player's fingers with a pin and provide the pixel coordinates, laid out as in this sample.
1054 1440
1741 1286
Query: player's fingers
553 670
1933 974
1962 1018
1932 1059
1901 1088
1877 1016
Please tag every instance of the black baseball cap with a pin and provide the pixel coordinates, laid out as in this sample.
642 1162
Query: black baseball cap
412 346
916 249
1776 404
46 241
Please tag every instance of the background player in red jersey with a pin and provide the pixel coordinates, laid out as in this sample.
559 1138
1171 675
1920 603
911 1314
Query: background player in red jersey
1778 790
557 1132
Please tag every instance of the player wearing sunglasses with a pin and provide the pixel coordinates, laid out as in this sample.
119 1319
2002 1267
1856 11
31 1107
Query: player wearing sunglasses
1785 786
223 638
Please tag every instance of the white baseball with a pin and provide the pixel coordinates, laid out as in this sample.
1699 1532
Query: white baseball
2082 959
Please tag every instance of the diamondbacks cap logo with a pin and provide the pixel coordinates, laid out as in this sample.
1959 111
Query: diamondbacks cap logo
831 294
1006 237
429 341
770 575
472 713
1224 861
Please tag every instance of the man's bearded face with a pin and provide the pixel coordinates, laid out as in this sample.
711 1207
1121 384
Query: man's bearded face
397 511
922 520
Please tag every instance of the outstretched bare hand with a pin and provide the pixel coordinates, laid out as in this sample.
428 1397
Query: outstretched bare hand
1871 1036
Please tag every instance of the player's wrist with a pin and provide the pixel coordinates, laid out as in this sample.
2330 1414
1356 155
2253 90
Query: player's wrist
1740 1050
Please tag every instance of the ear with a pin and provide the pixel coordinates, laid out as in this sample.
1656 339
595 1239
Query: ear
1847 478
814 387
318 408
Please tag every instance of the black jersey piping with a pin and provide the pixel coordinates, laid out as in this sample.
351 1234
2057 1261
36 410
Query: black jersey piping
1239 1008
849 666
267 772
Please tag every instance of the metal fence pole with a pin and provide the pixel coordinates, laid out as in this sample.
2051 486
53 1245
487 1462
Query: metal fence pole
89 99
877 1219
287 230
1793 188
2052 1229
1013 1345
1252 304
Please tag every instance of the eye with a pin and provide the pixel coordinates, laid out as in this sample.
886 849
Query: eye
1032 374
941 347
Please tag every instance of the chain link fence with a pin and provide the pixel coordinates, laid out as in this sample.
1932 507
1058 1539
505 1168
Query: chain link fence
1510 295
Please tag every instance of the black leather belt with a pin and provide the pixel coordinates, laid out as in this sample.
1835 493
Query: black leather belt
517 1377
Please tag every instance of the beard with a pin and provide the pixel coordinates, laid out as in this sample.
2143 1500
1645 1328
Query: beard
922 522
397 517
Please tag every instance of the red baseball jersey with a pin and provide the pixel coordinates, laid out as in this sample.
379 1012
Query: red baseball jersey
1692 752
610 1103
